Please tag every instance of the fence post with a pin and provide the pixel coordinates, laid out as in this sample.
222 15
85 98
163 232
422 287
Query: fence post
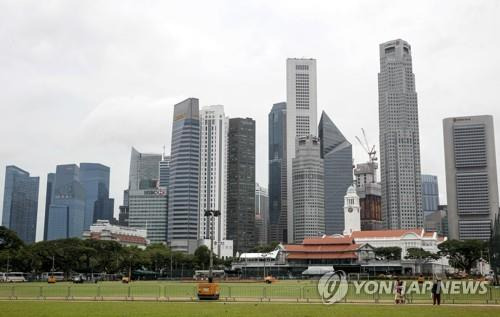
40 295
264 292
229 291
128 292
69 292
13 292
159 292
98 292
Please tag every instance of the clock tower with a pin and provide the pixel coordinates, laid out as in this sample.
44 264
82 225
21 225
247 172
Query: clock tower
352 217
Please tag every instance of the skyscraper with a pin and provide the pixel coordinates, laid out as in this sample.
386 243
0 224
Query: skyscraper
336 153
164 171
51 179
261 215
471 176
94 178
308 189
20 203
277 173
399 138
213 171
183 188
144 170
301 118
430 194
241 184
148 210
67 208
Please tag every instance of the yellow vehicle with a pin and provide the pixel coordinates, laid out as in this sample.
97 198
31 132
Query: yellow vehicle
208 291
51 279
269 279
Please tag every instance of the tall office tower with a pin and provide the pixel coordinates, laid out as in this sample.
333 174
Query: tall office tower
261 214
144 170
213 172
308 189
51 179
301 118
430 194
20 203
471 176
277 173
183 188
67 208
336 153
94 178
241 184
368 190
164 171
148 210
399 138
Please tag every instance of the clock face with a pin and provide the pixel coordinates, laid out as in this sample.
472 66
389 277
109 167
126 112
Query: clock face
349 209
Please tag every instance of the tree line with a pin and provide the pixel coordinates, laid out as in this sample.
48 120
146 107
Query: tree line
95 256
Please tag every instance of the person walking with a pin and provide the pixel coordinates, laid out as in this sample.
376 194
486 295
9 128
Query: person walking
398 289
436 292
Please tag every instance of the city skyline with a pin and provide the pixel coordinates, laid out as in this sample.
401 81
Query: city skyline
99 115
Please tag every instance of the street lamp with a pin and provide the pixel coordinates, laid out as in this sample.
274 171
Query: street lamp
211 214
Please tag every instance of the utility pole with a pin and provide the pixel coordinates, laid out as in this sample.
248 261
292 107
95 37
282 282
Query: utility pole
211 214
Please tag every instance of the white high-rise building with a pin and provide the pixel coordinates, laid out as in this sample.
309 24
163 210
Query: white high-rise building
308 189
471 176
399 138
301 118
213 172
352 216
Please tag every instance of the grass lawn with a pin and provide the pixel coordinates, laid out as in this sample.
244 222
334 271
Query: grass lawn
153 309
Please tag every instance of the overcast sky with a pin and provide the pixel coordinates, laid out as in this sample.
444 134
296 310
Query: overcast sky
83 81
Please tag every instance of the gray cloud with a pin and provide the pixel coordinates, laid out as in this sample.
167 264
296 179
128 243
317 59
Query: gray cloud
85 80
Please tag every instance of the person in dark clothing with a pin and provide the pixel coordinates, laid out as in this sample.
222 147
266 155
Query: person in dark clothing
436 292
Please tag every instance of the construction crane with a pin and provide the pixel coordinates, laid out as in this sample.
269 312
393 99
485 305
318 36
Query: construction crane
370 150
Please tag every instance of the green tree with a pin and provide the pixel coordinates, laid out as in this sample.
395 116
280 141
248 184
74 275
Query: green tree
202 257
266 248
463 255
420 256
494 250
388 253
159 256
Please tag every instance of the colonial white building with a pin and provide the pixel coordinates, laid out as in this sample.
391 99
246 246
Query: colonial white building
213 172
126 236
405 239
352 217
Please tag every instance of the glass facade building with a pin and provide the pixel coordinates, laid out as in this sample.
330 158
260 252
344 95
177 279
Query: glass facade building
277 173
20 203
430 194
95 181
336 153
66 216
184 180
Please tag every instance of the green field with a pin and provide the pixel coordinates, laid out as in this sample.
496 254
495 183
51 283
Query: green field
153 309
302 291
